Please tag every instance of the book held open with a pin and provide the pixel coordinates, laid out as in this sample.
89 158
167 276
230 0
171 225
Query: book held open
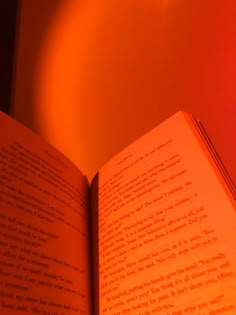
154 233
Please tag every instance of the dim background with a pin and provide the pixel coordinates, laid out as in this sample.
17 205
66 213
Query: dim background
92 76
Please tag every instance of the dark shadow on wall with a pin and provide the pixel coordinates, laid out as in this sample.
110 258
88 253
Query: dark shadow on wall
8 22
34 20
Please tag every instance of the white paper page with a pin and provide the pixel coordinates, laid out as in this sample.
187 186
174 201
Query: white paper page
167 229
44 266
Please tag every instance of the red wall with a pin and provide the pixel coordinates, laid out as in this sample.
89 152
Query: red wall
93 76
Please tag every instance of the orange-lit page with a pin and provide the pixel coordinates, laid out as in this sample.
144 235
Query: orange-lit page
43 227
167 228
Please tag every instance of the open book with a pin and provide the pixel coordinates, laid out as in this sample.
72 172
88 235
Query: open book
154 233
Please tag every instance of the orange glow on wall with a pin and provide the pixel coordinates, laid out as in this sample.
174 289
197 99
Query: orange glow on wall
107 71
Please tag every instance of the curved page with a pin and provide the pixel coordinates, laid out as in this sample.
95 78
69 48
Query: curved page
43 227
167 228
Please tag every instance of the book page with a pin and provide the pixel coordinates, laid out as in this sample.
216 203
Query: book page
44 267
167 228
